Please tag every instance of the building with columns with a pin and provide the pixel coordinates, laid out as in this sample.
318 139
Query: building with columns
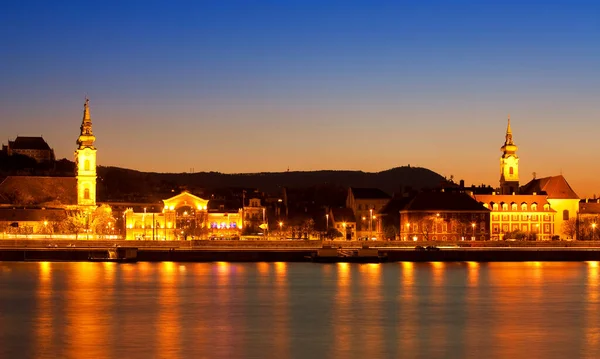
184 216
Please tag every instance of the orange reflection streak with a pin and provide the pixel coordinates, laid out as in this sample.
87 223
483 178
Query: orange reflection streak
438 273
372 344
438 299
168 317
592 334
341 325
408 326
281 343
408 279
471 333
43 324
88 323
516 278
263 268
473 271
222 298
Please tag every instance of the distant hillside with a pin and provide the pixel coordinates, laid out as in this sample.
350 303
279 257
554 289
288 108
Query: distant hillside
119 182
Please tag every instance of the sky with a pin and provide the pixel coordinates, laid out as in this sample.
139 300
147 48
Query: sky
244 86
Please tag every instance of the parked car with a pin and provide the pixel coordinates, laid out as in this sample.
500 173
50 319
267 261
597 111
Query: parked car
419 248
432 248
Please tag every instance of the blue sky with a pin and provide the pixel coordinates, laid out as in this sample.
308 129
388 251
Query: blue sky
237 86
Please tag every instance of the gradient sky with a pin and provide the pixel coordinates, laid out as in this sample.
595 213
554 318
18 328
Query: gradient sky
241 86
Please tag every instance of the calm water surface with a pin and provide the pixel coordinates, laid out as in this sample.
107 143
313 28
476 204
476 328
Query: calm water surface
299 310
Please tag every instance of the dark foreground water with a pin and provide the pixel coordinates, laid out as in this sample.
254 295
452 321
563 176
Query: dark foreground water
299 310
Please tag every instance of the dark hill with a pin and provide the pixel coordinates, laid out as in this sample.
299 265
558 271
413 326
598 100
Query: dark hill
122 183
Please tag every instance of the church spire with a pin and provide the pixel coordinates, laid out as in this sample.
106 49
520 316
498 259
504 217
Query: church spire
509 138
86 136
85 160
86 110
509 164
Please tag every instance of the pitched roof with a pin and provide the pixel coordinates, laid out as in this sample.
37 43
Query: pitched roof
395 205
31 215
444 201
556 187
529 199
29 143
589 207
369 193
34 190
342 215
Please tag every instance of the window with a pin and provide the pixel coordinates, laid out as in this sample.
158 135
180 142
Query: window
359 207
523 206
546 207
504 207
534 206
86 165
510 170
513 206
86 193
495 206
566 215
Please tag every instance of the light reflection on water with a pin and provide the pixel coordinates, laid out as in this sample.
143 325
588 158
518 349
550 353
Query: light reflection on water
299 310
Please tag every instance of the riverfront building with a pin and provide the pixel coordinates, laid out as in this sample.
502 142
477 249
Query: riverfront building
184 216
34 147
37 204
538 210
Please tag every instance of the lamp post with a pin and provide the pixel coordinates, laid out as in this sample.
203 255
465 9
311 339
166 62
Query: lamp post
327 222
280 228
473 226
370 222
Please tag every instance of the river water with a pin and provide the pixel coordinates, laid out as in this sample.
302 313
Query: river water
300 310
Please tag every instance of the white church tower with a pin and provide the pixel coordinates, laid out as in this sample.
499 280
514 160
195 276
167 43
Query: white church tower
85 160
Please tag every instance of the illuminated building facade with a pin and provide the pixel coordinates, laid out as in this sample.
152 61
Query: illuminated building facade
49 200
537 210
85 160
366 204
184 216
529 214
509 165
344 221
34 147
444 216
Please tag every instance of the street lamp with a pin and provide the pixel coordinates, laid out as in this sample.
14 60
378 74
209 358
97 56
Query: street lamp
280 228
593 231
370 222
473 225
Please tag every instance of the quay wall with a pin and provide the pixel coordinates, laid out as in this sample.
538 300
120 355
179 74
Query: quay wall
302 254
284 244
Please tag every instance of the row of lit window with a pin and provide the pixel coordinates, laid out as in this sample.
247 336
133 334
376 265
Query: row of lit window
223 225
515 207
